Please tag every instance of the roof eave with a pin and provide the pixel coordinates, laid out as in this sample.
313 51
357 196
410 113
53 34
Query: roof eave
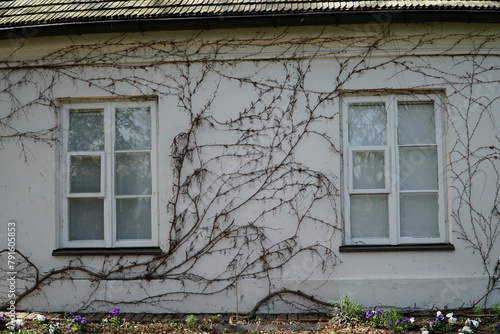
249 20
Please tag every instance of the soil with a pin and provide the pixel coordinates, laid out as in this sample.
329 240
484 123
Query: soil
211 324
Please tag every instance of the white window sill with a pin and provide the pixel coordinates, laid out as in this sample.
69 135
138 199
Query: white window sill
107 251
396 248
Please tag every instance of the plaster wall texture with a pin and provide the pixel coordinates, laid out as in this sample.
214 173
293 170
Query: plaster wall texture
30 174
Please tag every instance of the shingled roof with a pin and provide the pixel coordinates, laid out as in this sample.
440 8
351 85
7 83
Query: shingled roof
16 14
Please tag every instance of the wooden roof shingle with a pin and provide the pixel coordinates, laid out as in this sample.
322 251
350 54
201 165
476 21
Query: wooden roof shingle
24 12
16 14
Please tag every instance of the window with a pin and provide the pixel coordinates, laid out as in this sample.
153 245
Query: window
109 175
393 170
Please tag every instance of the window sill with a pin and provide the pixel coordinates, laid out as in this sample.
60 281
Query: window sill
396 248
107 251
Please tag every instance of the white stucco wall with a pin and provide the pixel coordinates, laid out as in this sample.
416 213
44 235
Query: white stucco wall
30 174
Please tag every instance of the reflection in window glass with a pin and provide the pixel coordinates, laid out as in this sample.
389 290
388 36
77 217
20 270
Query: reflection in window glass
86 130
368 170
419 215
133 173
85 174
418 168
416 123
86 219
133 220
133 129
369 216
367 124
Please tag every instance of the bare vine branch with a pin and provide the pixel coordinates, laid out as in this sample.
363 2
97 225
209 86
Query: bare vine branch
249 164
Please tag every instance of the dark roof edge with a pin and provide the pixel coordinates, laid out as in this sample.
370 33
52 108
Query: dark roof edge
248 21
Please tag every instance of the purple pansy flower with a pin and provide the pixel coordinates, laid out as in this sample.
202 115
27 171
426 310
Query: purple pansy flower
115 313
439 317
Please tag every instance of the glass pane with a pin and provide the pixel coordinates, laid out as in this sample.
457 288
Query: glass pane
418 168
132 173
367 124
368 170
86 219
85 174
133 129
369 216
133 218
416 123
86 129
419 215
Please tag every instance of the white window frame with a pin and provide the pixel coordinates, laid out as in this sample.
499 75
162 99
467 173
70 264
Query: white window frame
392 168
107 176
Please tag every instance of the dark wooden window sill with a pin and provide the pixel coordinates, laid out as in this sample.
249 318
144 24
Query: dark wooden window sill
396 248
107 251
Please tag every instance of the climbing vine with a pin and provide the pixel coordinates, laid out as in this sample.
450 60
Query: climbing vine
244 192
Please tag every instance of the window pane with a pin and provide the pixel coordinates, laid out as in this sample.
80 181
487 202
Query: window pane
367 124
86 219
419 215
369 216
368 170
133 218
133 129
133 173
86 130
416 123
85 174
418 168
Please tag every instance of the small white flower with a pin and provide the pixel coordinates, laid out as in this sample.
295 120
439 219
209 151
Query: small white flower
466 329
452 320
412 320
474 323
40 317
438 313
18 322
425 331
449 315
